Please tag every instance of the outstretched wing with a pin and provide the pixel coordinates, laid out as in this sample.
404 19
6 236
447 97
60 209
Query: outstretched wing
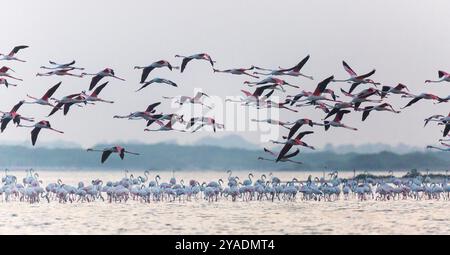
99 89
4 124
55 109
17 48
294 130
302 134
105 155
51 91
283 151
152 106
293 154
361 77
184 63
348 69
322 85
298 67
145 72
17 106
34 135
94 81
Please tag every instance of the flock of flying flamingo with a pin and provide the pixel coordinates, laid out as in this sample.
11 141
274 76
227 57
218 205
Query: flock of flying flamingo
355 98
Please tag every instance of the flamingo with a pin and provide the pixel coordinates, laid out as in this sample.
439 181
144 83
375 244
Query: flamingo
337 121
291 142
298 124
272 104
165 127
443 76
273 122
158 80
255 97
43 124
337 107
357 79
381 107
44 99
4 72
385 90
270 80
140 115
293 71
193 100
94 96
286 158
62 66
421 96
200 56
14 116
61 72
439 118
204 121
5 82
237 71
67 101
314 96
362 97
107 72
14 51
115 149
158 64
438 148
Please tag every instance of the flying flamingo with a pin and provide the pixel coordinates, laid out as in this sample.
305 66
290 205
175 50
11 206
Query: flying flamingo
421 96
357 79
165 127
298 124
61 72
255 97
116 149
192 100
362 97
337 107
337 121
438 148
313 96
204 121
62 66
158 80
43 124
293 71
286 158
158 64
11 55
200 56
14 116
273 122
385 90
139 115
66 101
381 107
94 96
269 80
237 71
442 120
291 142
107 72
4 72
5 82
443 76
44 99
271 104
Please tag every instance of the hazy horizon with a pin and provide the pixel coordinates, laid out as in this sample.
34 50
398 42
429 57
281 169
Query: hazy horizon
407 48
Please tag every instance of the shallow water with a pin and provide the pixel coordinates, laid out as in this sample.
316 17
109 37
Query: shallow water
224 217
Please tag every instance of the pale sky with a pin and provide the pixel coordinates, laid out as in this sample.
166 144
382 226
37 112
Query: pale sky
406 41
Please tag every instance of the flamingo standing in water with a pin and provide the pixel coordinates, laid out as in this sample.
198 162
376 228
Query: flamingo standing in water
107 72
337 121
43 124
158 80
443 76
357 79
61 72
4 72
5 82
286 158
158 64
13 115
94 96
44 99
381 107
115 149
200 56
12 54
237 71
62 66
293 71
